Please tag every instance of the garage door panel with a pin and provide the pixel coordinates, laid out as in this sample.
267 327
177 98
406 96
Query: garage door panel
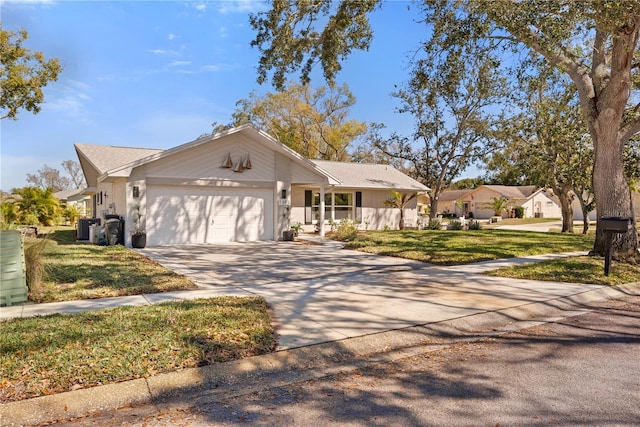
193 215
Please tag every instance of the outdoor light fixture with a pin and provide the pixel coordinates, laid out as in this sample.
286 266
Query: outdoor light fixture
136 191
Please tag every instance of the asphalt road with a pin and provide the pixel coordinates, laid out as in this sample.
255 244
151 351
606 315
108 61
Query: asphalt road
583 370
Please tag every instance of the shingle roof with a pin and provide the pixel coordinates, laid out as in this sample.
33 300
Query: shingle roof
368 175
105 158
452 195
513 192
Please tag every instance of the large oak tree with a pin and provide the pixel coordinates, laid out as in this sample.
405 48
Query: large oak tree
594 42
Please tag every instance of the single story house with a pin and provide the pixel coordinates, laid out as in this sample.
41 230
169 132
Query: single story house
77 198
537 202
237 185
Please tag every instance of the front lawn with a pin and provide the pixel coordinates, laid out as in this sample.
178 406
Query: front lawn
83 271
584 269
449 247
57 353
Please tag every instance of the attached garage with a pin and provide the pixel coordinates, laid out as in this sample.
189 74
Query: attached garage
208 215
239 185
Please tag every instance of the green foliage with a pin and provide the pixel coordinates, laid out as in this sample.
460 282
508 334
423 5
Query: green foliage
475 225
314 123
519 211
434 224
23 74
447 248
81 271
346 230
34 206
399 200
53 354
498 204
288 39
71 213
455 225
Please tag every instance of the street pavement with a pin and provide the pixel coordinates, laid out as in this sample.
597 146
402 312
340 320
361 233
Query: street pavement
331 306
575 371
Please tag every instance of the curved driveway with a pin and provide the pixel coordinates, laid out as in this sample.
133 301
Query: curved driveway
323 293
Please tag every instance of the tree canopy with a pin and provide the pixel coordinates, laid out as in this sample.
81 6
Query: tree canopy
594 42
23 74
313 122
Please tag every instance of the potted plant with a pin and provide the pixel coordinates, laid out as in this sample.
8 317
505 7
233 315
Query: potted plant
288 234
138 235
295 227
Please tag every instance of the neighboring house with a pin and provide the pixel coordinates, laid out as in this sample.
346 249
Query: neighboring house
536 202
238 185
78 198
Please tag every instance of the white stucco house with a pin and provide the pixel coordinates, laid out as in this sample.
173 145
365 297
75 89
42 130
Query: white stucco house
238 185
77 198
537 202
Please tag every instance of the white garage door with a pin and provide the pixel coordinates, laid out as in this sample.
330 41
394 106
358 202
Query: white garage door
199 215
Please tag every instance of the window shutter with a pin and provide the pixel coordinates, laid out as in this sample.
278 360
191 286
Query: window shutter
359 206
308 200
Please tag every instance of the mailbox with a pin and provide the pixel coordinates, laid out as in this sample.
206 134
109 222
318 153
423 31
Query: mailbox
615 224
611 225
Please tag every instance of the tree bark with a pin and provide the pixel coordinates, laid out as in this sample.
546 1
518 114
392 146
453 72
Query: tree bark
613 197
585 216
566 197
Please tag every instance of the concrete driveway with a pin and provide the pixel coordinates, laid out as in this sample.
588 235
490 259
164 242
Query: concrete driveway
322 293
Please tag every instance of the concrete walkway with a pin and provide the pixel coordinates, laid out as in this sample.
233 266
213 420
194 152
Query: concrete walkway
331 306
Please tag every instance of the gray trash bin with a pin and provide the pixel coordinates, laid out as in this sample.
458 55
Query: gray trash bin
112 231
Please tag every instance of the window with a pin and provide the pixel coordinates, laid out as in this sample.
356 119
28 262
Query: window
337 206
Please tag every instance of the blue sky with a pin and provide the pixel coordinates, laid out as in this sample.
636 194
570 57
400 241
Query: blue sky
156 74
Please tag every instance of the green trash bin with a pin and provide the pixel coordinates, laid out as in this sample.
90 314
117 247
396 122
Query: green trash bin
13 279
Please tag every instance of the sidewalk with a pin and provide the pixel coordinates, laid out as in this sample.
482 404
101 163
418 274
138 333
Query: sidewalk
364 306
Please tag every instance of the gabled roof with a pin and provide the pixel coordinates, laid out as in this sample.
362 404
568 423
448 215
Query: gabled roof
513 192
104 158
66 194
453 195
101 161
369 175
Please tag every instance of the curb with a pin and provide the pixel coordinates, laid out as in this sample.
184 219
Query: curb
164 387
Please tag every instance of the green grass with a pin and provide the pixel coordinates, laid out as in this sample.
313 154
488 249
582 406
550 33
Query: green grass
584 269
462 247
84 271
57 353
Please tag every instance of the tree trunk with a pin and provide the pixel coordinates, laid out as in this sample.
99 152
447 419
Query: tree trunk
611 190
401 225
565 195
585 216
433 207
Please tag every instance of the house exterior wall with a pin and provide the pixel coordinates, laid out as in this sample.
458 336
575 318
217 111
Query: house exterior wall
478 201
374 215
541 205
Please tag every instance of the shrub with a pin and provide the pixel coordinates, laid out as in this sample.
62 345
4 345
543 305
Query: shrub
434 224
346 230
35 268
519 211
455 225
475 225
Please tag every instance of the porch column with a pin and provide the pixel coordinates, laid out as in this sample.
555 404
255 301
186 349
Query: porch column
321 210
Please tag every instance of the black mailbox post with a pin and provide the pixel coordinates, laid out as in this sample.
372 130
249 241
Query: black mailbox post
611 225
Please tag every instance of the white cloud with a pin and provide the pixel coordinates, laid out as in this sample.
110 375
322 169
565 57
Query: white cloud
223 32
201 7
242 6
69 97
162 52
179 63
171 36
